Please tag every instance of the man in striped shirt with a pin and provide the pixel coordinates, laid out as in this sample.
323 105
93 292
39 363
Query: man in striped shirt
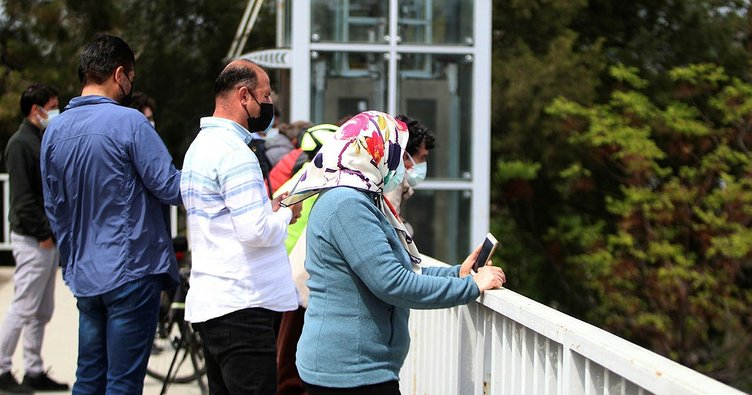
240 273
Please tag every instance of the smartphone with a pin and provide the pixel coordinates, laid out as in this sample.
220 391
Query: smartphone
489 246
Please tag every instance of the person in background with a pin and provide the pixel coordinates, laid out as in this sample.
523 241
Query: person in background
146 104
107 178
258 145
285 141
364 270
240 276
288 379
421 141
308 143
34 249
273 129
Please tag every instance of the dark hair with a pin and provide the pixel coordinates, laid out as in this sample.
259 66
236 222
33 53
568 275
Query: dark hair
234 75
419 134
344 119
141 100
101 57
38 94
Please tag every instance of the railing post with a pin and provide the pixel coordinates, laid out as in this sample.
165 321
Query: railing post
471 340
6 209
173 221
573 382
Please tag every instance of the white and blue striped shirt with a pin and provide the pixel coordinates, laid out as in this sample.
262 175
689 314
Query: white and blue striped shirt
237 242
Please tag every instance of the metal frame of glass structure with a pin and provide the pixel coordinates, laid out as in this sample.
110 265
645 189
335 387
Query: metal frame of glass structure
368 54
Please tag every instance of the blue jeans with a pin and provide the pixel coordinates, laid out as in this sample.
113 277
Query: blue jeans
115 334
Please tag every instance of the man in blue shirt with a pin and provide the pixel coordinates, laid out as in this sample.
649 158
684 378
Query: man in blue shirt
107 177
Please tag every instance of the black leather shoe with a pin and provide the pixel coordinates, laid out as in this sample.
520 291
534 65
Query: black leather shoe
43 382
9 385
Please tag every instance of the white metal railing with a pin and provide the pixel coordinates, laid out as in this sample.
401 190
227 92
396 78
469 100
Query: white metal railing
5 242
506 343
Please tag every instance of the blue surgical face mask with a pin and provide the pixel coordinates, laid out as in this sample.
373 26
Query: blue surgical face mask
394 179
50 114
269 127
417 173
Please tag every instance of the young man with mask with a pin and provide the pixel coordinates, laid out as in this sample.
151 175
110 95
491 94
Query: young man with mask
419 144
107 177
240 274
34 249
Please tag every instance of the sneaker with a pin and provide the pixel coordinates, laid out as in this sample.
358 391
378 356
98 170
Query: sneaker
9 385
43 382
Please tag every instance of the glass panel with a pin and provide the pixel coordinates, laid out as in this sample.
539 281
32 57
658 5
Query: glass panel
436 22
437 90
280 82
346 83
349 21
286 38
441 223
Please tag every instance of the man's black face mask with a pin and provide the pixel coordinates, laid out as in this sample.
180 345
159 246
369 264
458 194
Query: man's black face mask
265 118
127 98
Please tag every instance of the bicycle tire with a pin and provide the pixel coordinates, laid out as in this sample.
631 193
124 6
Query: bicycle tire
166 341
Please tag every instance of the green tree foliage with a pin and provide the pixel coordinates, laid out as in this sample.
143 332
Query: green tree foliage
39 42
180 48
656 35
666 251
578 145
535 59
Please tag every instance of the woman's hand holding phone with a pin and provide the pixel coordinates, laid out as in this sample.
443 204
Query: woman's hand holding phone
467 265
488 276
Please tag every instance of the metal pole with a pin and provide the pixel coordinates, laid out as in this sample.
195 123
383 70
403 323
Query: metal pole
249 27
241 28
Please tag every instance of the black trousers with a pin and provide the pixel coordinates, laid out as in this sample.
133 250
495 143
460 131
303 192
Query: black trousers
240 352
388 388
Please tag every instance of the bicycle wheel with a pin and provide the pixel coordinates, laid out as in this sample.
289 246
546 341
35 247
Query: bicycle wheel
184 348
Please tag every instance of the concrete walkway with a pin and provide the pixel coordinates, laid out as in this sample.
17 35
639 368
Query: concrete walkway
59 351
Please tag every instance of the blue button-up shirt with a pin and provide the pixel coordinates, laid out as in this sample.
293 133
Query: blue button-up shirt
107 177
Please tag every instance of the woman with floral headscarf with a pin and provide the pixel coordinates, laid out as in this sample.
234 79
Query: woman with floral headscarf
364 268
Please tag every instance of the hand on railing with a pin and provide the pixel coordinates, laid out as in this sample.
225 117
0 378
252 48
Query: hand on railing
489 277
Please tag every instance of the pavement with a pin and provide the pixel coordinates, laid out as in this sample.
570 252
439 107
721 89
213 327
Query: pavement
59 350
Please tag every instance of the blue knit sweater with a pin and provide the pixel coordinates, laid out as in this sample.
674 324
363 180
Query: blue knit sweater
362 290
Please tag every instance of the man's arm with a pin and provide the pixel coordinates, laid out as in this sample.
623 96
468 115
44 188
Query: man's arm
242 187
27 204
154 164
364 245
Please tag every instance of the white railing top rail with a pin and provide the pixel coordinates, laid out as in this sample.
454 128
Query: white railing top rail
5 242
646 369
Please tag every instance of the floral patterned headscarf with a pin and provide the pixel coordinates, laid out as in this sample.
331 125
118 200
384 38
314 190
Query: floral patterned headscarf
365 152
